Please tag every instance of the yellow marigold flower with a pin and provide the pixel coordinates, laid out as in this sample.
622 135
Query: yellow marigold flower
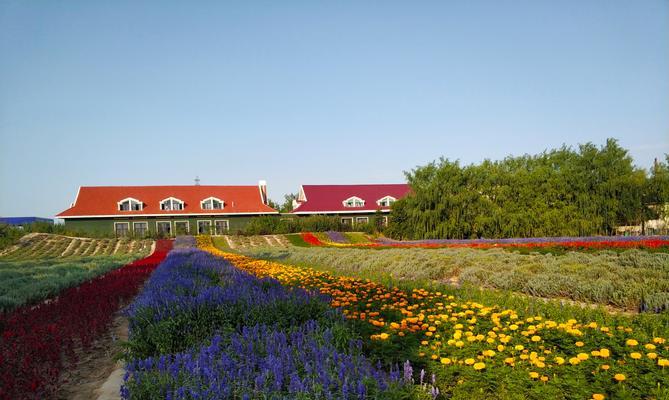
434 356
579 344
631 342
574 361
459 343
663 362
635 355
445 361
479 366
536 338
424 342
650 346
605 367
489 353
544 378
534 375
509 360
540 364
604 353
500 348
652 356
582 356
595 353
513 327
470 361
619 377
658 340
598 396
559 360
519 347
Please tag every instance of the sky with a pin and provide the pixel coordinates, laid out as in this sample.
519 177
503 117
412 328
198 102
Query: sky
309 92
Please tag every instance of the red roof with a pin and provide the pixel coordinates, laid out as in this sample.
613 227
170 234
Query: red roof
98 201
329 199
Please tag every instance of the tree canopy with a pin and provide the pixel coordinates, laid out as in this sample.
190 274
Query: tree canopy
561 192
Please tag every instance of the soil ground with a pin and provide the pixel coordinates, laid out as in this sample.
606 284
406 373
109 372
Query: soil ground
96 375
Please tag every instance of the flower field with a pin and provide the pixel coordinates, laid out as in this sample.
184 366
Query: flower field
633 280
38 342
479 350
556 243
43 265
204 329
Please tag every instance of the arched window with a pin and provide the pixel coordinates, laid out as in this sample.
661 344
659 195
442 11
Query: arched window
354 202
171 203
130 204
212 203
386 201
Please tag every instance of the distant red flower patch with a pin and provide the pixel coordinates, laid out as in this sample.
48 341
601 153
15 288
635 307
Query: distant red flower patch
309 238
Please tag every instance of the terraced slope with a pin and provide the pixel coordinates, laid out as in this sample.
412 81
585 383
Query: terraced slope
45 246
237 242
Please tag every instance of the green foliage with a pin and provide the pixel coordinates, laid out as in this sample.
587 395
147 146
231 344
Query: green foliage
9 235
273 224
560 192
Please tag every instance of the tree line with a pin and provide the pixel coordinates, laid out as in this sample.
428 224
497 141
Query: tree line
562 192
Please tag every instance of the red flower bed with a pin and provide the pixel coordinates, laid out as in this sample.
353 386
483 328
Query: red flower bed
38 341
309 238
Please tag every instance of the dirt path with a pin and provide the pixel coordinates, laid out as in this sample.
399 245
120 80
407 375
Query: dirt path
90 379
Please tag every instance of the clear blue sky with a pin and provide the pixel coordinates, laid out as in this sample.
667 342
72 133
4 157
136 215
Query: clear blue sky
141 93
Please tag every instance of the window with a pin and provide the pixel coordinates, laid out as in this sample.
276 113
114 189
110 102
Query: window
140 228
171 203
386 201
347 221
211 203
181 227
204 227
361 220
221 227
121 228
354 202
164 228
130 204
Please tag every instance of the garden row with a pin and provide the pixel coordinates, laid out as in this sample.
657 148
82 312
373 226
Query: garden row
634 280
39 342
336 239
42 245
204 329
480 349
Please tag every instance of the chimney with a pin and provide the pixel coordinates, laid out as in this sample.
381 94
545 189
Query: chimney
262 186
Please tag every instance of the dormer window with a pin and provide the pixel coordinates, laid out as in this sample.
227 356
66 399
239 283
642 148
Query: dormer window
211 203
171 203
130 204
386 201
354 202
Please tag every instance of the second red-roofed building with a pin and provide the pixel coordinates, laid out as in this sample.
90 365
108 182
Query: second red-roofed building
353 204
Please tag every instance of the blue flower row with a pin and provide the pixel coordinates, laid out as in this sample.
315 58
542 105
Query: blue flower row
315 358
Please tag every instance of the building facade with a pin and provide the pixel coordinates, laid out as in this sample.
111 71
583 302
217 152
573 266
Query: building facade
166 210
353 204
